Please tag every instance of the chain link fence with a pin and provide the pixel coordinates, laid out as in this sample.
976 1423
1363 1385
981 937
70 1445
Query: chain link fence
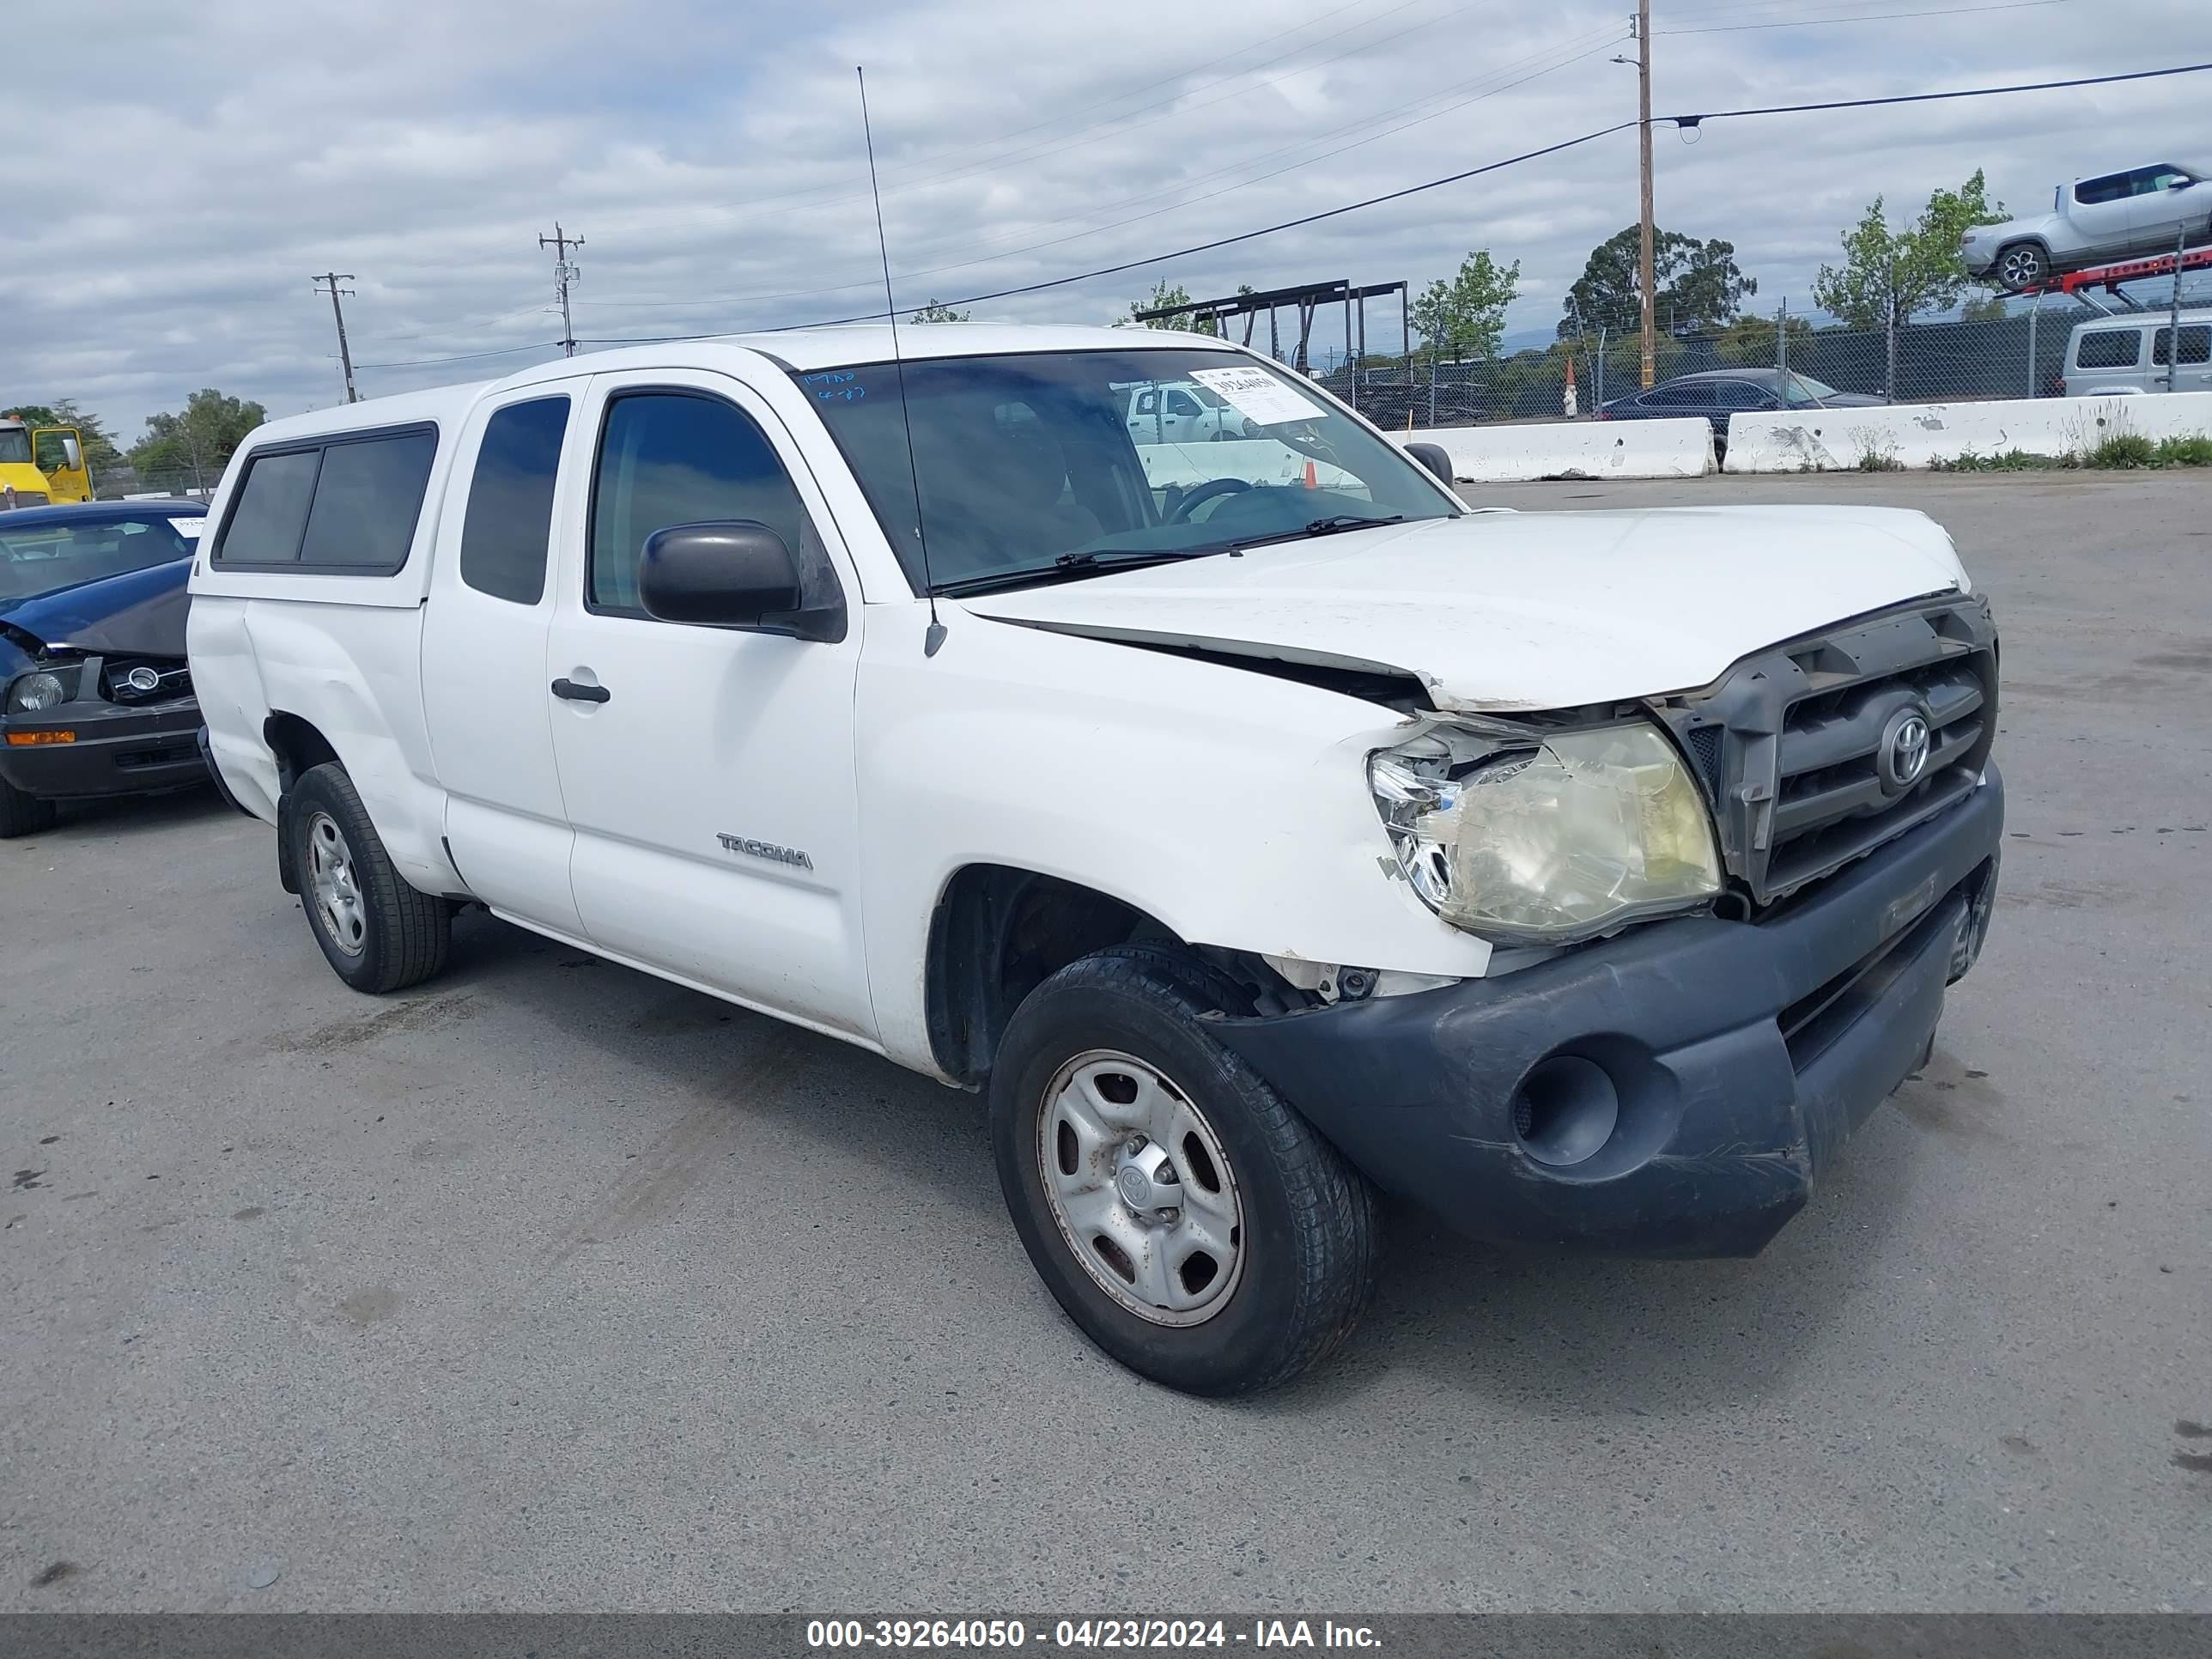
116 483
2021 354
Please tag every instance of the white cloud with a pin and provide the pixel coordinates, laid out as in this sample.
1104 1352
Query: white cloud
198 165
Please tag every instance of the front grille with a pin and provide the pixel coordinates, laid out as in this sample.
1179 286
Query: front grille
157 679
1799 747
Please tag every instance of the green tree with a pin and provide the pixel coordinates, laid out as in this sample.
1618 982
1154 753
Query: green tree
198 439
1989 309
1466 317
1698 286
1164 295
100 450
934 312
1893 275
1755 342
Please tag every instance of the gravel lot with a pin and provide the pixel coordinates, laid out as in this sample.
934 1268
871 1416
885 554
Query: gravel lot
549 1285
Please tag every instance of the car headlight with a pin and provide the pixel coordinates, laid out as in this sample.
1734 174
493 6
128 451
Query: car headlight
1552 839
49 688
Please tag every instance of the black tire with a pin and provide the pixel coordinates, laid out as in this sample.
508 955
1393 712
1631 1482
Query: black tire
1307 1238
398 935
21 814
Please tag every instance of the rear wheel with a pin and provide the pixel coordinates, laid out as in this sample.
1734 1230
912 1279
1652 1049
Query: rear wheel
1195 1227
21 814
2023 266
378 933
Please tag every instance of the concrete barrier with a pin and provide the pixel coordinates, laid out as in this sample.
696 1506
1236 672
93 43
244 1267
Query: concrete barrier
1923 435
1255 460
1573 449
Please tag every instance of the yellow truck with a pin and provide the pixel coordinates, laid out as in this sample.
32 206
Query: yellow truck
42 466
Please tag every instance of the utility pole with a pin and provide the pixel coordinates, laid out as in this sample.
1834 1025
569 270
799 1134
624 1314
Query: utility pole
1643 139
563 274
331 279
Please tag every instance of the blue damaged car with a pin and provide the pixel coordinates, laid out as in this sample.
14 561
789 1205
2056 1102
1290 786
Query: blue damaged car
94 696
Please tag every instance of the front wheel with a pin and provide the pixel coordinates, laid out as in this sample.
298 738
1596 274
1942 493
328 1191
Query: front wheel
21 814
1195 1227
378 932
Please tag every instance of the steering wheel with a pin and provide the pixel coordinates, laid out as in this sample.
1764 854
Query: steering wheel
1210 490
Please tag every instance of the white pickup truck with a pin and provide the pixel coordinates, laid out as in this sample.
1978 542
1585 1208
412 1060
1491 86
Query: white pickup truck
1259 830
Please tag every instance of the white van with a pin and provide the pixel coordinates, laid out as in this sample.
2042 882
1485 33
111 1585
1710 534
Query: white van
1259 831
2119 357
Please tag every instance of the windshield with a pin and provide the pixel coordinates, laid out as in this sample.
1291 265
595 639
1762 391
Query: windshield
41 558
1801 390
15 446
1032 461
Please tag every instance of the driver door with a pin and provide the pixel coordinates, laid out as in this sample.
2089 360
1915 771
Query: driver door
708 772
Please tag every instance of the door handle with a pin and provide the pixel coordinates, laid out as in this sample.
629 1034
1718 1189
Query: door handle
575 693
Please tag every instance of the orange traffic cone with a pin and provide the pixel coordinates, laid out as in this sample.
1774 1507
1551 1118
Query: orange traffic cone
1313 479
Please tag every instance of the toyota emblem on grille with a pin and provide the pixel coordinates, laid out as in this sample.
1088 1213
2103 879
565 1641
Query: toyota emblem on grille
1904 753
143 680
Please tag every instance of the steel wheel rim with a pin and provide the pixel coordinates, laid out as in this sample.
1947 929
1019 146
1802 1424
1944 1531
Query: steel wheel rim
1140 1188
336 885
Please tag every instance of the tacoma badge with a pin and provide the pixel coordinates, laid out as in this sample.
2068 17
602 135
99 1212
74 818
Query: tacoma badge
769 850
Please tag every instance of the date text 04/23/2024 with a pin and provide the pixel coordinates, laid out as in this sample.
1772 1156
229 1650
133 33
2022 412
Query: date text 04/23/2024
1012 1635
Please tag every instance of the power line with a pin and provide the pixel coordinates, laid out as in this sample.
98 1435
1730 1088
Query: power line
1691 121
1611 38
471 356
1683 121
1868 17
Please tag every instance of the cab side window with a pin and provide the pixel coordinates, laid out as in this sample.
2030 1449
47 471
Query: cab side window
671 458
2110 348
2195 347
2111 188
509 524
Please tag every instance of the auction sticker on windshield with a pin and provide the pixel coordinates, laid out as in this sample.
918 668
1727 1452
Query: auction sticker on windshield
1257 395
188 528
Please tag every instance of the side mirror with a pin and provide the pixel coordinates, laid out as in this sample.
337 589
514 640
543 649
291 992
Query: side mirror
73 454
736 574
1437 459
2181 184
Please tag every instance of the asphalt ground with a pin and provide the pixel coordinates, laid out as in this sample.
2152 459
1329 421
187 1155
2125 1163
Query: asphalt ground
551 1285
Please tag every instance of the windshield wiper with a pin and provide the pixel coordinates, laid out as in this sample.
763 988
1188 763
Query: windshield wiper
1329 527
1071 565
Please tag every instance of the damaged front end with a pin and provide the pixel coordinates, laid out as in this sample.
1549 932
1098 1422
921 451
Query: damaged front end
1526 835
96 699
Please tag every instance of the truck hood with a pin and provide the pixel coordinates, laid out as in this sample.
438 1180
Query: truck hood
1501 611
137 613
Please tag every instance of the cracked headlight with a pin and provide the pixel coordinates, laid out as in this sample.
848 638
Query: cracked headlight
49 688
1550 841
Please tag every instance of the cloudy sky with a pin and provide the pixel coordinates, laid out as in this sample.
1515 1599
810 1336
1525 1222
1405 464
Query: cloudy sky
182 173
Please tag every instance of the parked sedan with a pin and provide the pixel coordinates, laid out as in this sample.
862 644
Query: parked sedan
2092 222
1718 394
94 696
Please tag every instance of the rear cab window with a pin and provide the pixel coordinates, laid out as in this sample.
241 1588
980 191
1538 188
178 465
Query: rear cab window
344 504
